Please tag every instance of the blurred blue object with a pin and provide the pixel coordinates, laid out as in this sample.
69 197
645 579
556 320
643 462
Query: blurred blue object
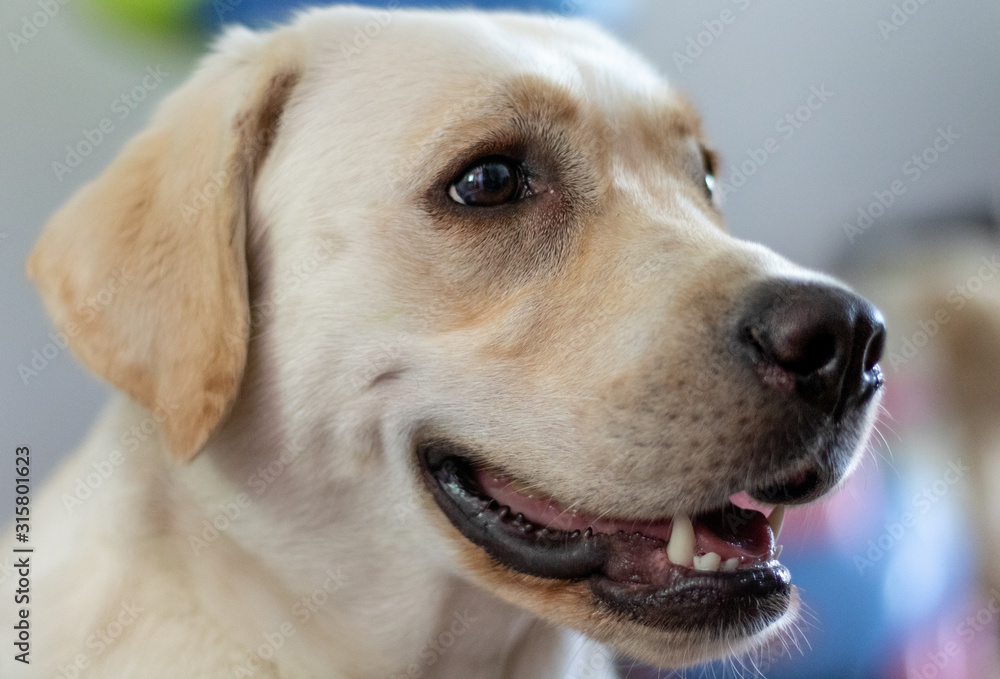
263 13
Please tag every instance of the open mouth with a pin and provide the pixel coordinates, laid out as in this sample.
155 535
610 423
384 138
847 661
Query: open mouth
716 571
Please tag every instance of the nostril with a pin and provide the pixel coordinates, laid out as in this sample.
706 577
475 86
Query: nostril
800 352
799 488
810 355
875 349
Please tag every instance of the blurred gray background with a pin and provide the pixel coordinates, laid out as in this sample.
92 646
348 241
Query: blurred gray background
748 64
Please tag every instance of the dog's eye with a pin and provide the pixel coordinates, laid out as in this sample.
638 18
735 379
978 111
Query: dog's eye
708 159
489 182
709 185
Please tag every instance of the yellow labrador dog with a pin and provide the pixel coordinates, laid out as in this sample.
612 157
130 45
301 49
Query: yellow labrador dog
435 354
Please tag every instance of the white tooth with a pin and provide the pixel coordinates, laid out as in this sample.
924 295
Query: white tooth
681 548
776 519
709 562
731 565
777 551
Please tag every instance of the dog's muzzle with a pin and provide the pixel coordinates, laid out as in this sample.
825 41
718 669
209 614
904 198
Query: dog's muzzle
817 346
699 572
810 348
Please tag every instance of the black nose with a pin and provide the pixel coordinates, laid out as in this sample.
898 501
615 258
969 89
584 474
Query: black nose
818 341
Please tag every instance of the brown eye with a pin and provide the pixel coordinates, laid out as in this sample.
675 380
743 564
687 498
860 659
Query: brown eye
489 182
708 159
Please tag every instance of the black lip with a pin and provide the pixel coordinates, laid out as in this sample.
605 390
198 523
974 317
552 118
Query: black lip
720 602
716 605
515 543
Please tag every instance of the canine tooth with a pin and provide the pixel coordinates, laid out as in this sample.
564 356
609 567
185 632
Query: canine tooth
709 562
778 550
776 519
575 534
680 550
731 565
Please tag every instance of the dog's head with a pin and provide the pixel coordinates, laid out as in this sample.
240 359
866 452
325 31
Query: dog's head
485 267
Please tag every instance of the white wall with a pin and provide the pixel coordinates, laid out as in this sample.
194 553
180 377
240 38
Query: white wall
890 95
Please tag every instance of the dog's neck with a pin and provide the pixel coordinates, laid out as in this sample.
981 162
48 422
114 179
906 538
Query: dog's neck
350 582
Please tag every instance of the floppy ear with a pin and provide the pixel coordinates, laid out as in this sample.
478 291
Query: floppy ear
144 269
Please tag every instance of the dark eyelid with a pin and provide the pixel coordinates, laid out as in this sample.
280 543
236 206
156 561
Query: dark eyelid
710 159
487 160
492 148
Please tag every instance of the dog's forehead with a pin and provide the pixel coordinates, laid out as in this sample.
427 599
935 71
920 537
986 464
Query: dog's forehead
468 59
572 54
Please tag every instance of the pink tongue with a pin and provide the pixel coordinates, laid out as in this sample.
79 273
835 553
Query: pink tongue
748 539
547 512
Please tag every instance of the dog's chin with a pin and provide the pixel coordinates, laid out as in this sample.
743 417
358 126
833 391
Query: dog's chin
671 592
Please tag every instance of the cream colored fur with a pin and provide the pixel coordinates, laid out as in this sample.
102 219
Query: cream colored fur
296 315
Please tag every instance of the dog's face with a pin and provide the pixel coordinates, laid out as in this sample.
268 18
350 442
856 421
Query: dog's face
485 263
